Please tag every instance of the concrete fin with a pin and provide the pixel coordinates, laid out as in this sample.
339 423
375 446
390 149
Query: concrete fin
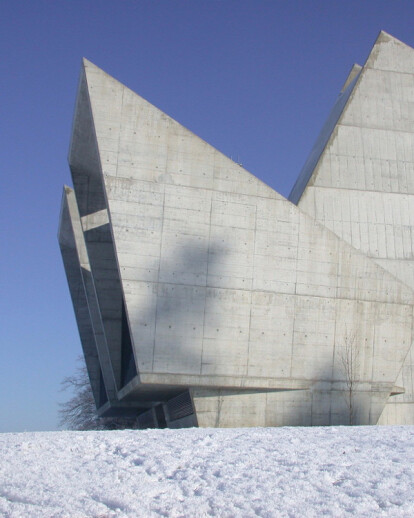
309 171
369 145
390 54
138 141
95 220
355 70
84 160
354 109
76 262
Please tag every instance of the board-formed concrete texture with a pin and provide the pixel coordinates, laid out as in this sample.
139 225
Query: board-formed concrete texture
362 187
205 298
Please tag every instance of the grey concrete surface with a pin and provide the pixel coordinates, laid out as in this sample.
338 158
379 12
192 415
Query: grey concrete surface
232 292
363 185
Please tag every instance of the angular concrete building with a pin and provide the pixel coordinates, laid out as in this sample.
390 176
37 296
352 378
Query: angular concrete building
205 298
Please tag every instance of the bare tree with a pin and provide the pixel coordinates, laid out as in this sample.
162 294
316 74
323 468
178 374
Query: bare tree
350 366
79 412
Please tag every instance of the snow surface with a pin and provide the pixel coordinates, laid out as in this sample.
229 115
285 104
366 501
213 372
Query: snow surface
269 472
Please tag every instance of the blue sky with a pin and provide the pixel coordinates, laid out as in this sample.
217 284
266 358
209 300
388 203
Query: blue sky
256 79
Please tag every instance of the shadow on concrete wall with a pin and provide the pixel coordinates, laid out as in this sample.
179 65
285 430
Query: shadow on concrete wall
331 400
168 332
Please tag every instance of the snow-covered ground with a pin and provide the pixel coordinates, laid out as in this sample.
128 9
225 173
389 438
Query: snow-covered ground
295 472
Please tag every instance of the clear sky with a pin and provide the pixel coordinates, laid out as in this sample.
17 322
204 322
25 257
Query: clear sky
256 79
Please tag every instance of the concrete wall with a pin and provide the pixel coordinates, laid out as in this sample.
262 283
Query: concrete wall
320 406
229 289
72 260
363 185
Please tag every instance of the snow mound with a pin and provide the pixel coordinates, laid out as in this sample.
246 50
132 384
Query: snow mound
268 472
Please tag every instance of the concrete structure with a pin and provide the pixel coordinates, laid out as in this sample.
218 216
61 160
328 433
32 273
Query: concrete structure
203 297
